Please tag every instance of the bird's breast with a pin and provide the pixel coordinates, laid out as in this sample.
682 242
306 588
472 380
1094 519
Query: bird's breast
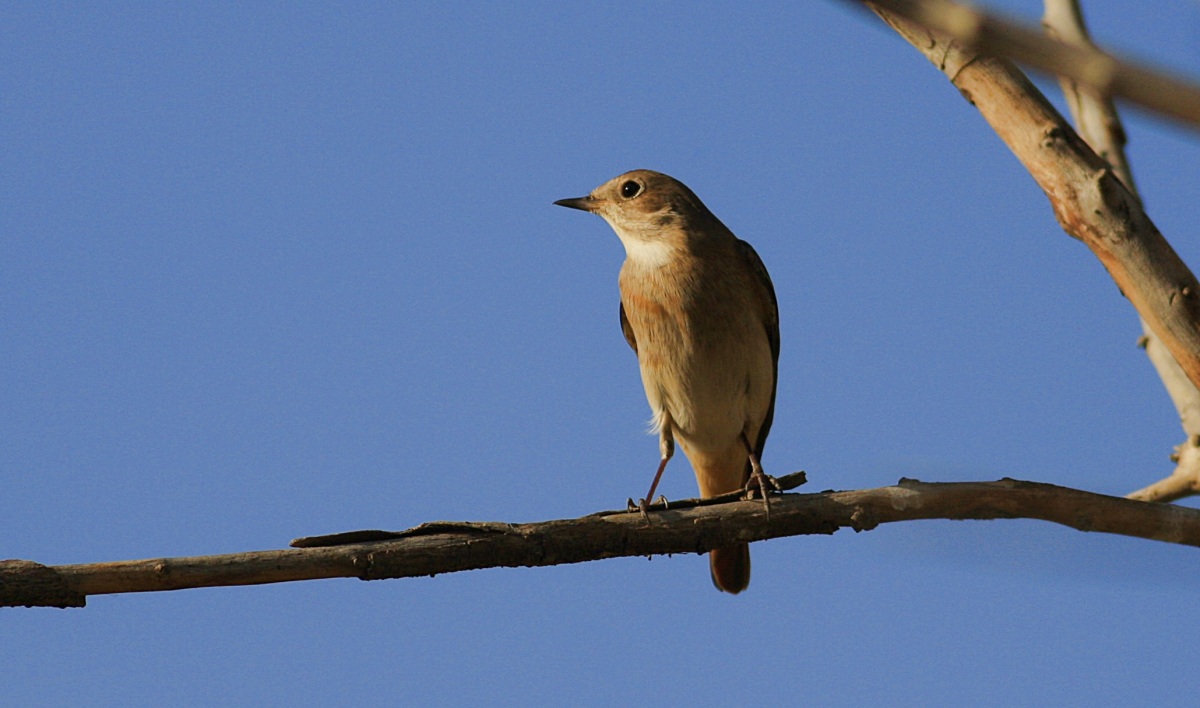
702 349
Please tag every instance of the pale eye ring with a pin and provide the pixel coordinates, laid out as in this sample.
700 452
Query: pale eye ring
630 189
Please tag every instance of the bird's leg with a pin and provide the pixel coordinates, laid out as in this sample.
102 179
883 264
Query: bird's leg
666 446
759 480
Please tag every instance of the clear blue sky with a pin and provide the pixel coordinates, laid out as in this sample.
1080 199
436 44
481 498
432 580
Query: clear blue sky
280 269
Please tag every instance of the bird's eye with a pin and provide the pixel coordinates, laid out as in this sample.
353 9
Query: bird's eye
630 189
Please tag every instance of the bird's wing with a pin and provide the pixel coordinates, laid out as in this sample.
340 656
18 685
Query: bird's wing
770 317
770 313
628 331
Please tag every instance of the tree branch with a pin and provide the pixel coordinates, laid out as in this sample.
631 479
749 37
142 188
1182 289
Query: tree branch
1108 76
1095 114
694 527
1091 191
1097 121
1088 199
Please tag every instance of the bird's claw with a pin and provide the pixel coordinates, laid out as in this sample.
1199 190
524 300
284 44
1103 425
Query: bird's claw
643 506
763 484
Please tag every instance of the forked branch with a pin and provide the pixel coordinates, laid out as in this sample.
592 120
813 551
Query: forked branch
1106 74
1089 200
1097 121
1092 196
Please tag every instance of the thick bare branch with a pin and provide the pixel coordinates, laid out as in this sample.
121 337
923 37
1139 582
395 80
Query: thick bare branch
446 547
987 33
1097 121
1088 199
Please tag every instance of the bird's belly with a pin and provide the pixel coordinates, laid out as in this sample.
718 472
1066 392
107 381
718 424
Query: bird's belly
712 392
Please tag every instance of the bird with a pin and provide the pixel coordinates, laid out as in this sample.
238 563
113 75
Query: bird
699 310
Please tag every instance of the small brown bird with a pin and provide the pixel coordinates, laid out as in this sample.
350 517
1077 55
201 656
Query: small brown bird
699 310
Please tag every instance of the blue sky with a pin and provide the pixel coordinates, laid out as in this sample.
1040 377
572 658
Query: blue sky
280 269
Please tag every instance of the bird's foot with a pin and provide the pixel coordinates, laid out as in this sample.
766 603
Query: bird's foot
763 484
643 506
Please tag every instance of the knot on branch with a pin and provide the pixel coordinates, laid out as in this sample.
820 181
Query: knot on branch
1180 293
1053 136
862 519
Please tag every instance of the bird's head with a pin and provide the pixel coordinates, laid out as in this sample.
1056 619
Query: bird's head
652 213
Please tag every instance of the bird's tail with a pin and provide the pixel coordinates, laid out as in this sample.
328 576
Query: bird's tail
730 567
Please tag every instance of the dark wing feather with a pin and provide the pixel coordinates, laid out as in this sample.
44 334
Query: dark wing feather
628 331
770 318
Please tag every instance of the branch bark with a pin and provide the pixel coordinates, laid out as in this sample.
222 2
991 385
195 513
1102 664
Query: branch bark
1097 121
687 527
1101 71
1089 184
1090 202
1095 113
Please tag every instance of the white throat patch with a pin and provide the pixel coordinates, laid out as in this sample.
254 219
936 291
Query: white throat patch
646 253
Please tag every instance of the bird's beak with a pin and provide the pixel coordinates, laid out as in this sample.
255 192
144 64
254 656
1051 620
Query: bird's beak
587 203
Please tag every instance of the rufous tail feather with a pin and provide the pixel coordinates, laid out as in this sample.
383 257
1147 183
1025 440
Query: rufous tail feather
730 567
